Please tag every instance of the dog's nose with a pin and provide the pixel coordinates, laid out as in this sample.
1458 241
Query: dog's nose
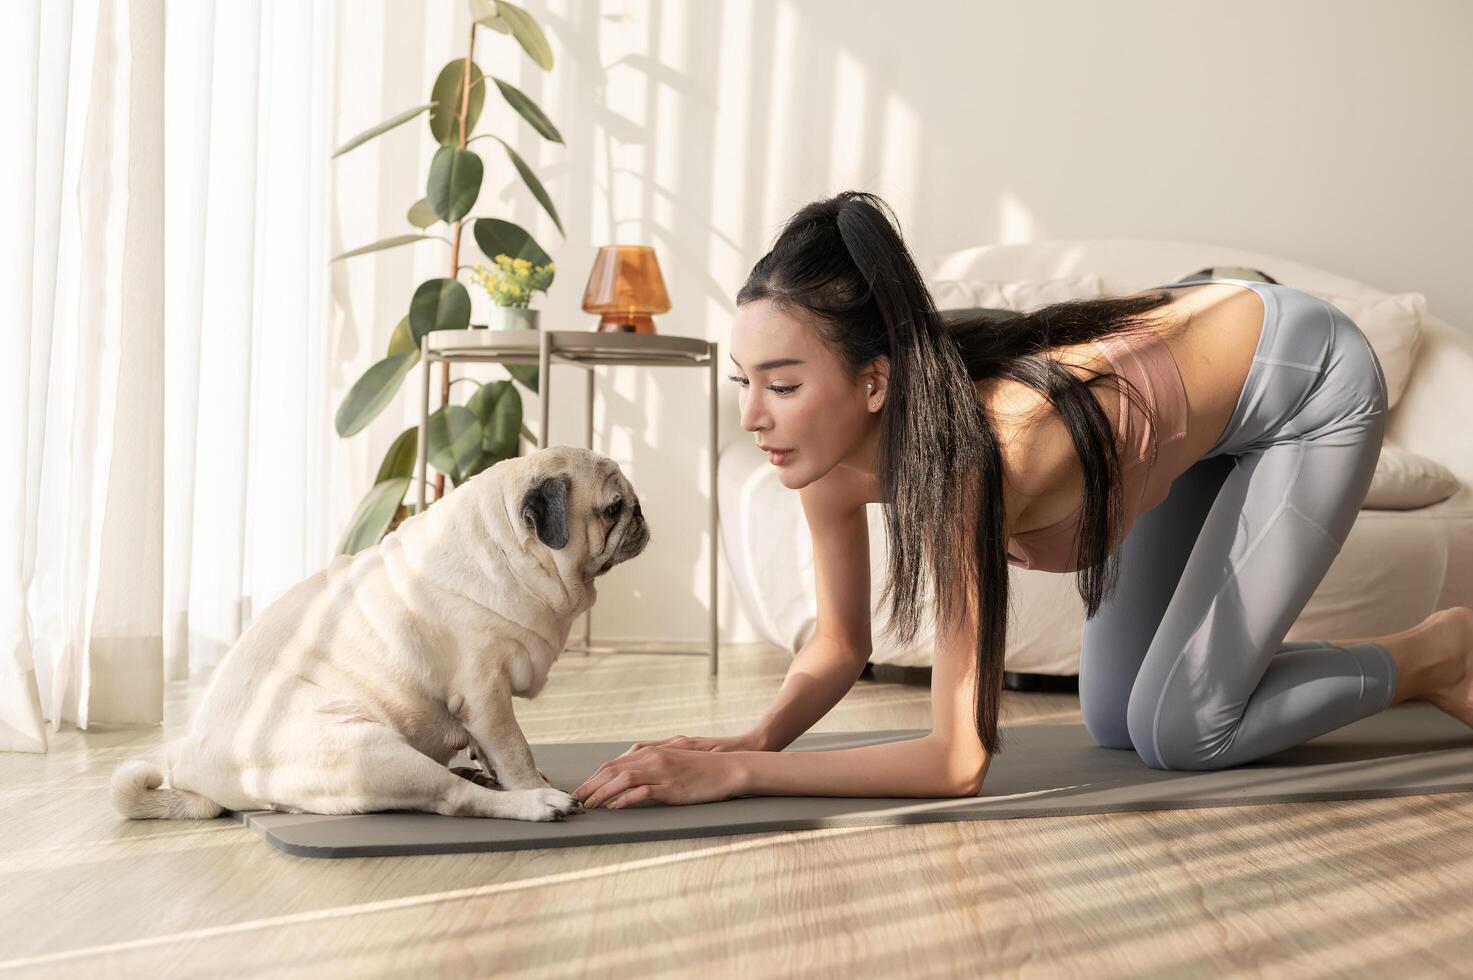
638 514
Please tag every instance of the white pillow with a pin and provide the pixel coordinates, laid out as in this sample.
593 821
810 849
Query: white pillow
1405 480
1392 322
1013 294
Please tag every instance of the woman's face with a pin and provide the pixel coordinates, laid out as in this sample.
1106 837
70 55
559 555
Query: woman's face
796 397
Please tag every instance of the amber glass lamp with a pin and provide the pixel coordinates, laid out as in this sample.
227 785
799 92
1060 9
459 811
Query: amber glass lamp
625 286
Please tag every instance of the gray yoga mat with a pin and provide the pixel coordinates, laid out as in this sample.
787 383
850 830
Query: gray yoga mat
1411 749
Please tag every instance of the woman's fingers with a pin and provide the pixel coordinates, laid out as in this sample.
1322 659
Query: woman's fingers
635 796
651 744
590 784
610 789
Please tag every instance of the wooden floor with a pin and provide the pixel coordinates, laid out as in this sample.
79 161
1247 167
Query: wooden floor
1371 888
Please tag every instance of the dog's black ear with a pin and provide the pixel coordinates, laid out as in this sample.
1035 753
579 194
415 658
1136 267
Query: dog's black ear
545 508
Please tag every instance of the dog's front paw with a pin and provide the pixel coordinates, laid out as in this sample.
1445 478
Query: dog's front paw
553 804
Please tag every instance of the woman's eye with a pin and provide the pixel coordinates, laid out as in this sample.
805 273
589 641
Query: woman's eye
778 389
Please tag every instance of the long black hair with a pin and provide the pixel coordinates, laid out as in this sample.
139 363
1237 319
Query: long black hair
843 260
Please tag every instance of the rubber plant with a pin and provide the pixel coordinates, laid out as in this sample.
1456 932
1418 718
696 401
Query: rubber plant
463 439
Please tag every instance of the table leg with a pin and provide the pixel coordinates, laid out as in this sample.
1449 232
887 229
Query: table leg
715 535
588 443
420 467
544 387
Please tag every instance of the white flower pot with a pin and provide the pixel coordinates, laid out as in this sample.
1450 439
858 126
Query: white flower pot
511 318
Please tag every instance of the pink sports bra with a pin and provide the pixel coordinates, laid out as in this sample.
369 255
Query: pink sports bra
1147 363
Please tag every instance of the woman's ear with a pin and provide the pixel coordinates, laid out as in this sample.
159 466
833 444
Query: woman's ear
877 382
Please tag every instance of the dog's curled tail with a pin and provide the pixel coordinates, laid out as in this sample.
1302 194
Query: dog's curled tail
137 795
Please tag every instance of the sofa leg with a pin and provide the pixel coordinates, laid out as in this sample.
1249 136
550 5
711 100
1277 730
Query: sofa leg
1022 681
1011 680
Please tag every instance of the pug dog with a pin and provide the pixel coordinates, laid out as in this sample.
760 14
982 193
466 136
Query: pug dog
354 690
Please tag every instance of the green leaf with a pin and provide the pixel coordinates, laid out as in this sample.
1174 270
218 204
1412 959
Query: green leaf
527 33
402 456
525 373
374 515
380 129
421 215
454 440
438 304
455 182
402 340
391 242
533 184
498 407
483 12
497 237
372 392
482 403
528 110
445 114
485 462
504 433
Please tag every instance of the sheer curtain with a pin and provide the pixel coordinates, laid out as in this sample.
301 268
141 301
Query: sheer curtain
164 412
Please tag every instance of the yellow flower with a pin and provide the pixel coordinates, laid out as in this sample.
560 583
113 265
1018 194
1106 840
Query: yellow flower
516 291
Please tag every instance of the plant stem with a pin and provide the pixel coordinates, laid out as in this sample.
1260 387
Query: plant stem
465 103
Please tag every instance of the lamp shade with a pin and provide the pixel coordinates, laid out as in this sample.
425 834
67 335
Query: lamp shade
625 286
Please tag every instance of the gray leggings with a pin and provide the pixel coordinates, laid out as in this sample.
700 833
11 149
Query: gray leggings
1186 661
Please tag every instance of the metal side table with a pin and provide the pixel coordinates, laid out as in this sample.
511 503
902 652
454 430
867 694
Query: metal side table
586 349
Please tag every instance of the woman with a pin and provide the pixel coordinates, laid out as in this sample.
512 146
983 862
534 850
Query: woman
1197 452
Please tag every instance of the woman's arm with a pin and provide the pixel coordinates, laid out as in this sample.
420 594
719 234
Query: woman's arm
821 673
834 656
940 764
910 769
948 761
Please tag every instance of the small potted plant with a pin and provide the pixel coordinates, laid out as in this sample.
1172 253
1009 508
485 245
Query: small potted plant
510 283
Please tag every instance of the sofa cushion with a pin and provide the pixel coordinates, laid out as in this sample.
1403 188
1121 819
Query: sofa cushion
1017 294
1405 480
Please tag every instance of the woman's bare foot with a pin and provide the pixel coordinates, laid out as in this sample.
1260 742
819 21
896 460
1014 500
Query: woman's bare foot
1456 696
1432 660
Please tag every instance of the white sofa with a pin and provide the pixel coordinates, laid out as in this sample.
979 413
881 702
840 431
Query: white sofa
1395 568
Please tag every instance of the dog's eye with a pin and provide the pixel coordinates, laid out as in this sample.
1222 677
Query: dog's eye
612 510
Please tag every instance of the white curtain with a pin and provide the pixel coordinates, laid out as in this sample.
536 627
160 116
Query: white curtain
164 408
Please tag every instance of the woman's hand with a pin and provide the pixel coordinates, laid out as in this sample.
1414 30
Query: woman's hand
676 770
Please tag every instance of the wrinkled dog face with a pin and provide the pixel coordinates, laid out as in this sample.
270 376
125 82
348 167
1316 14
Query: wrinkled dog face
579 502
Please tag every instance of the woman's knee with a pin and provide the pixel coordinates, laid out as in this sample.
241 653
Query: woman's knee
1169 736
1105 723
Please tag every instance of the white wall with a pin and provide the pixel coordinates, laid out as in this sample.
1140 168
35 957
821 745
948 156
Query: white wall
1332 133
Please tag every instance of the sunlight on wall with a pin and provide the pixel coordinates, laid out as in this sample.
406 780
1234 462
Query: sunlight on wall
1015 221
672 97
900 154
729 236
775 205
846 161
